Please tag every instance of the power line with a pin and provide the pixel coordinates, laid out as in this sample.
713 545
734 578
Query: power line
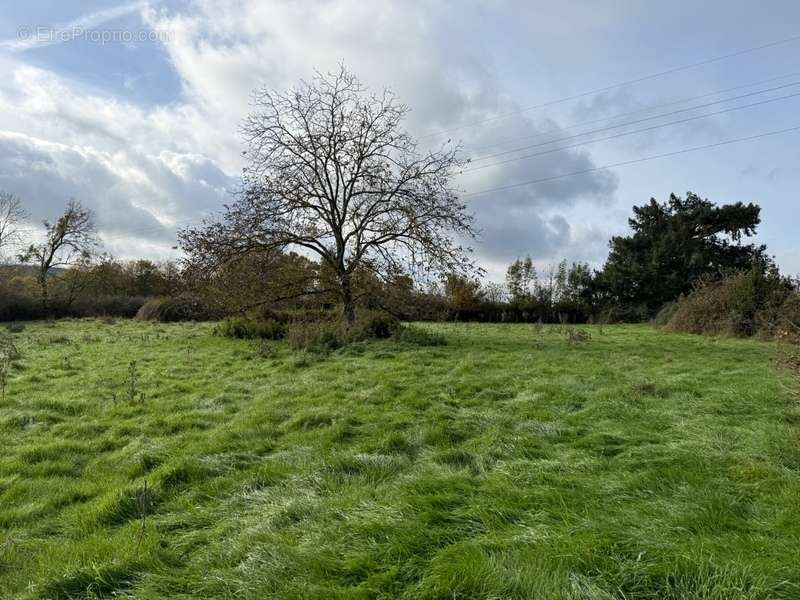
617 85
194 220
574 173
633 161
637 121
627 133
634 112
624 163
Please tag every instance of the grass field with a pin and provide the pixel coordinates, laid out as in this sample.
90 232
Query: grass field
505 464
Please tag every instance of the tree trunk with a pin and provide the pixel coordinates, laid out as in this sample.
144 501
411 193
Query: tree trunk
348 306
44 298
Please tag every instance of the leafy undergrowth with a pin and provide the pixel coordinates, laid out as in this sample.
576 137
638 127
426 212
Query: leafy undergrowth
161 461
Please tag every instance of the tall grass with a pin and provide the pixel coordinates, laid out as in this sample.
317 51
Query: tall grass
635 463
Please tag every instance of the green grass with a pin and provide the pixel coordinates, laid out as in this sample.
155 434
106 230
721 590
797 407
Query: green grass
505 464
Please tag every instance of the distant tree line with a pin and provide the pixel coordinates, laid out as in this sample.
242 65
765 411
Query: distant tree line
62 275
673 247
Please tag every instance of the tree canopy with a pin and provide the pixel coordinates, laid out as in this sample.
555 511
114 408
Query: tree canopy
676 243
68 241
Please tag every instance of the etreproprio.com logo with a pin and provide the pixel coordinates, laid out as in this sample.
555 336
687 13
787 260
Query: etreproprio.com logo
51 35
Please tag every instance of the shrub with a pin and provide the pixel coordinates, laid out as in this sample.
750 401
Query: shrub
318 336
742 304
409 334
783 321
15 327
248 329
305 331
106 306
180 308
19 307
309 315
149 310
265 313
375 325
324 335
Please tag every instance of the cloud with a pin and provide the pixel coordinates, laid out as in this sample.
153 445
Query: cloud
531 219
133 197
145 169
224 50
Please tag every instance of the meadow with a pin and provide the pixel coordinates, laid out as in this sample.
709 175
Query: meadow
155 461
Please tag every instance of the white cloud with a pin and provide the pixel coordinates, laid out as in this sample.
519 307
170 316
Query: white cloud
145 169
223 50
137 198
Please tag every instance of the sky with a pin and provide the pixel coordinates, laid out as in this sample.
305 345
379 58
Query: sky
134 108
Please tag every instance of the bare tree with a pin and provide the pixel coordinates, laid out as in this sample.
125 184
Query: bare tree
332 171
11 215
68 241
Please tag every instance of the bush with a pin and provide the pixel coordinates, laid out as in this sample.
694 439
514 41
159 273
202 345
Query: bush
409 334
18 307
21 307
375 325
309 315
304 332
323 336
249 329
617 313
180 308
783 321
328 335
265 313
107 306
741 304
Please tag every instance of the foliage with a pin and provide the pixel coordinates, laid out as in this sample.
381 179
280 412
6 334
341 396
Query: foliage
375 325
185 307
268 280
675 244
102 287
328 335
462 293
418 336
780 317
68 241
108 276
561 290
645 464
22 307
562 293
743 303
521 279
250 328
316 336
666 313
